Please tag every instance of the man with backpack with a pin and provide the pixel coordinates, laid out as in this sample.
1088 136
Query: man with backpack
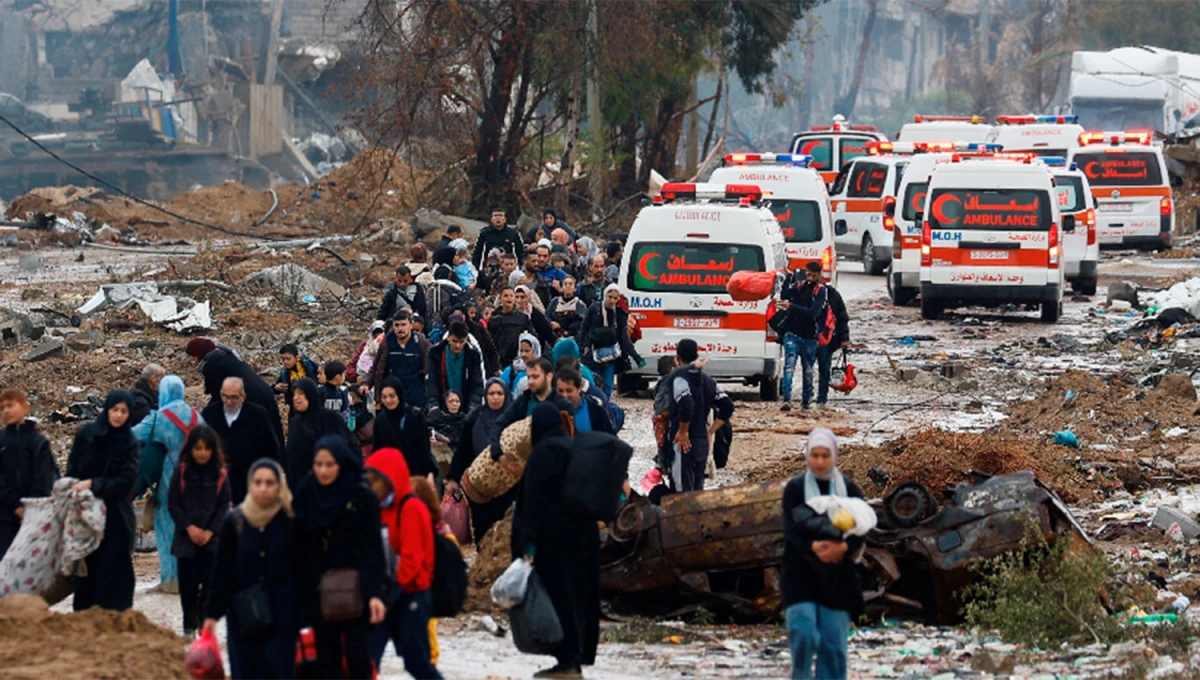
810 324
839 339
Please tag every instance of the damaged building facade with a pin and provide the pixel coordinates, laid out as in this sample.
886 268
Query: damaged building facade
157 96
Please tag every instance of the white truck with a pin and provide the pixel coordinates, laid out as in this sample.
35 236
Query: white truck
1131 88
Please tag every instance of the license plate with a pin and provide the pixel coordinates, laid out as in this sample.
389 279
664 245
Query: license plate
697 322
989 254
1116 207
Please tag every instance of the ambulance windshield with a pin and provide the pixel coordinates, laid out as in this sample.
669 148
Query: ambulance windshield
820 148
990 209
914 200
1129 169
1069 190
673 267
800 221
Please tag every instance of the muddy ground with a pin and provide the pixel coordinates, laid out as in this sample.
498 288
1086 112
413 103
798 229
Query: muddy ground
979 389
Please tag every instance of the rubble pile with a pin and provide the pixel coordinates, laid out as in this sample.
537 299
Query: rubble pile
1110 414
95 643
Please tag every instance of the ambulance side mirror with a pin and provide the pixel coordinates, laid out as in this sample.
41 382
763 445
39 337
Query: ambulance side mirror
840 228
919 218
1068 224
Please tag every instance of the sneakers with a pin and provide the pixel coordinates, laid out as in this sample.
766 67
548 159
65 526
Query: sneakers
560 673
805 406
821 405
787 406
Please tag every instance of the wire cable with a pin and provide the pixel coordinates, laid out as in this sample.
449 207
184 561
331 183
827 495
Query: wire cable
128 195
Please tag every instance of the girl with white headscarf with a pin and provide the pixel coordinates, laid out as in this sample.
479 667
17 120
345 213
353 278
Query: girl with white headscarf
604 339
821 589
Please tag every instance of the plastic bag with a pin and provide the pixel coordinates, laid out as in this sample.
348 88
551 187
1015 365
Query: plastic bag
863 515
746 286
457 514
535 625
203 659
509 590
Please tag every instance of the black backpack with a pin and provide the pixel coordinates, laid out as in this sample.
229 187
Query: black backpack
449 577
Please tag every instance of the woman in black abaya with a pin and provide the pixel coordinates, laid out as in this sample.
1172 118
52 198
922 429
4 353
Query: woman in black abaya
477 432
310 421
564 547
403 427
105 459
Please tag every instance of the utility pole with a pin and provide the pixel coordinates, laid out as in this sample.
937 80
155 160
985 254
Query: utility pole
595 118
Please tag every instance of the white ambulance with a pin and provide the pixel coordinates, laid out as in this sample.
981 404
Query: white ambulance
1129 180
1043 135
679 257
991 235
834 145
796 194
856 200
954 128
1081 248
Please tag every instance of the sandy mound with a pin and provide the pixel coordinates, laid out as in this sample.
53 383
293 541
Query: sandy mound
94 644
494 556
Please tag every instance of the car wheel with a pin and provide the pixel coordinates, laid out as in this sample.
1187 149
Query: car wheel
1087 287
1051 311
768 388
871 264
931 310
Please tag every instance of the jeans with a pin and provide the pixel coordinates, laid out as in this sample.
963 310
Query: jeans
824 362
806 350
407 626
193 586
820 631
608 373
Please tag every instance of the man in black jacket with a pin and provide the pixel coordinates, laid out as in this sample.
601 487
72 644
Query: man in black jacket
27 468
245 434
694 396
403 292
821 589
218 362
499 235
841 338
145 393
453 365
804 303
540 388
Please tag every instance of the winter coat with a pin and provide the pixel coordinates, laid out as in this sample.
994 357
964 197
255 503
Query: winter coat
807 306
305 429
841 334
506 239
506 329
806 578
145 398
407 364
406 430
222 363
437 381
248 439
618 320
199 496
408 522
393 298
694 394
568 314
27 468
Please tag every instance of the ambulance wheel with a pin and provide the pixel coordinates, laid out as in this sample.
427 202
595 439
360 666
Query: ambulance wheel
628 384
1086 287
931 309
1051 311
871 263
768 388
899 294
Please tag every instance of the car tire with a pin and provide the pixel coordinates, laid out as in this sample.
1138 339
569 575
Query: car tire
768 388
1051 311
1086 287
931 310
871 263
628 384
899 294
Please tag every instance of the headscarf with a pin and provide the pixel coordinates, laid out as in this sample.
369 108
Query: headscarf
170 391
518 364
546 422
817 439
394 383
587 248
366 360
320 506
200 347
567 347
534 302
259 517
515 278
311 393
485 422
102 427
604 301
459 245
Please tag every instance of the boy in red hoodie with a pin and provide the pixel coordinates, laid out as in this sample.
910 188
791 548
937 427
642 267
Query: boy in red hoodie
409 529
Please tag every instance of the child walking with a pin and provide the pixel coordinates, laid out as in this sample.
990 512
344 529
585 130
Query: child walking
198 499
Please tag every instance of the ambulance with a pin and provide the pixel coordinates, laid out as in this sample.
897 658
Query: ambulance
1081 248
992 234
1129 180
1050 136
954 128
679 256
796 194
832 146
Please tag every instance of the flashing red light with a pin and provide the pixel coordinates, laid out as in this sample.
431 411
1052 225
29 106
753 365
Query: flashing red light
1086 138
864 128
1053 246
1164 207
926 245
949 119
827 258
1138 137
876 148
1090 220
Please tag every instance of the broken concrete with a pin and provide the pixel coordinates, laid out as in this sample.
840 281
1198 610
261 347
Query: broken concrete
1176 524
46 350
1124 291
296 282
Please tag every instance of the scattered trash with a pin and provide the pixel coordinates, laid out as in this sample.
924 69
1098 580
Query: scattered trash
296 282
1177 525
1066 438
165 310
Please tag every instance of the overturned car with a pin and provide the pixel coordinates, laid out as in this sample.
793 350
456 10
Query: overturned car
723 548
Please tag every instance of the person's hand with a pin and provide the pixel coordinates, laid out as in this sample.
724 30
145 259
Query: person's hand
700 363
451 486
196 534
85 485
683 441
280 387
430 478
529 560
783 304
641 362
208 535
20 512
378 611
555 326
830 552
210 625
363 389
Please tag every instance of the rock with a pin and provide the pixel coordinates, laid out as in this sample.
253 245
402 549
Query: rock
106 234
1123 290
995 663
85 342
1177 385
30 263
237 217
144 343
953 370
296 282
906 374
1176 524
366 259
46 350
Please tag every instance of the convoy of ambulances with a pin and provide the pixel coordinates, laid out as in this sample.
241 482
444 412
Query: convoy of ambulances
1081 248
991 234
856 200
832 146
679 257
965 129
1044 135
1129 180
796 194
904 271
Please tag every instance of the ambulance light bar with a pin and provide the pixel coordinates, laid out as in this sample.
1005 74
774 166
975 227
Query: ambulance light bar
794 159
1020 157
1128 137
674 191
1031 120
954 119
904 148
1059 162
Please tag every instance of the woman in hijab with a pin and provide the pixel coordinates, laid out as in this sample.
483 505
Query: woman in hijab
398 426
477 432
604 340
310 421
338 528
363 361
821 589
564 547
530 348
104 458
162 434
531 305
256 553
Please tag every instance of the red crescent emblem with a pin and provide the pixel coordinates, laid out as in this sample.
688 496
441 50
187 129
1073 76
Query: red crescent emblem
642 264
1090 170
918 202
939 207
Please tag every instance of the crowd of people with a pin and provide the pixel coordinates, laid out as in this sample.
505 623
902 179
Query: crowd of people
274 522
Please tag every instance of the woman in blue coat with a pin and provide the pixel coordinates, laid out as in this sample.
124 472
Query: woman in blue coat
256 547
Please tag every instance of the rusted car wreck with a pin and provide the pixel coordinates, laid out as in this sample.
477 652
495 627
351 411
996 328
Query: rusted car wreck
722 549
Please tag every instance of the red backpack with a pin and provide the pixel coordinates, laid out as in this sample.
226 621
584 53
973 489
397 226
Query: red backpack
826 322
